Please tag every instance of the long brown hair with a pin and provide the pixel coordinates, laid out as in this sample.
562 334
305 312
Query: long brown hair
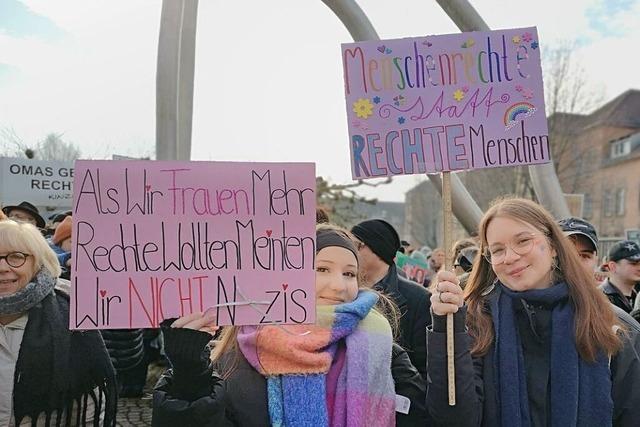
228 340
595 321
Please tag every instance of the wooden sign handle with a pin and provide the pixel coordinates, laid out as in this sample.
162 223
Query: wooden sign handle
447 221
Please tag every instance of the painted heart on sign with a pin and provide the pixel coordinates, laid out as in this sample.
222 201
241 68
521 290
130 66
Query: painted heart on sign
103 293
269 232
147 187
285 286
382 48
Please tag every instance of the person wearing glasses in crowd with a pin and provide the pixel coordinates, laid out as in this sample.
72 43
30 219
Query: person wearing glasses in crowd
536 343
49 375
25 212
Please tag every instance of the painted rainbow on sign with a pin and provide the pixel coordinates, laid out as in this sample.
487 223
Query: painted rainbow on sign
517 109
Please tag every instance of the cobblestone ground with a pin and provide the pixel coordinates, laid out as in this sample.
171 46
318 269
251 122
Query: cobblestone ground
137 412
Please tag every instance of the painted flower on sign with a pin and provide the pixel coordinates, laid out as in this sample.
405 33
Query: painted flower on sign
363 108
458 95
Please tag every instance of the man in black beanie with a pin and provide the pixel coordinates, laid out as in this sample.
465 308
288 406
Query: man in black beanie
379 243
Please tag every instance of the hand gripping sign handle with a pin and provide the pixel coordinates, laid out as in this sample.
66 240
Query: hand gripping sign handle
447 220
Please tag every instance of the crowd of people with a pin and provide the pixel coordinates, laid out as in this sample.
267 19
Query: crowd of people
544 335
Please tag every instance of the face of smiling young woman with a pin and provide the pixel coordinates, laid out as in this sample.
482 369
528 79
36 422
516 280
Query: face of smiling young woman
531 268
12 279
336 276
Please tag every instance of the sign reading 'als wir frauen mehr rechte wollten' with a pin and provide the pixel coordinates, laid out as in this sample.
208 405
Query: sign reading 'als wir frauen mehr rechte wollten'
155 240
445 103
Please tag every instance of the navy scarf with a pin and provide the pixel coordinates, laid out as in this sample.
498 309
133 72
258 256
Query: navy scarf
580 391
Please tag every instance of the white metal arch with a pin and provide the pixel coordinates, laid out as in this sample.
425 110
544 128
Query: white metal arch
174 93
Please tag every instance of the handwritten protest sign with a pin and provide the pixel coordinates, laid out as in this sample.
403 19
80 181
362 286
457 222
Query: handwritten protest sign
155 240
415 269
445 103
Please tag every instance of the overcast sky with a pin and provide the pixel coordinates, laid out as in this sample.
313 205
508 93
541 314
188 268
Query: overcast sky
268 78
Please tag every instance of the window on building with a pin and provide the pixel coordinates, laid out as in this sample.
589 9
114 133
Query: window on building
607 204
620 148
620 194
587 207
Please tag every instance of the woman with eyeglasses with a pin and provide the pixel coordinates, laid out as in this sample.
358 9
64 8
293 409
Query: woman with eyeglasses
535 343
49 375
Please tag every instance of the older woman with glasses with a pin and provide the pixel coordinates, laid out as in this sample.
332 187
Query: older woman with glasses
536 344
49 375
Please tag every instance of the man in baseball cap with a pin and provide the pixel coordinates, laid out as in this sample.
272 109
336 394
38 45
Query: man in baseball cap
623 285
584 237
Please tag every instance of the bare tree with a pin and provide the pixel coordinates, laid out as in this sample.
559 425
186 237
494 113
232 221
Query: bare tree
340 199
568 96
53 147
11 145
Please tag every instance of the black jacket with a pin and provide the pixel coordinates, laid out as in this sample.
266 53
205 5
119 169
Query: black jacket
414 303
616 296
192 393
476 394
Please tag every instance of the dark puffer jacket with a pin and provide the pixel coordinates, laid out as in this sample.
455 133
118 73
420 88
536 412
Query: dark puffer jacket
128 354
126 347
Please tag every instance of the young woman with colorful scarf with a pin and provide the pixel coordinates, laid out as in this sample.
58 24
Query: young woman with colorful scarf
536 344
344 370
49 375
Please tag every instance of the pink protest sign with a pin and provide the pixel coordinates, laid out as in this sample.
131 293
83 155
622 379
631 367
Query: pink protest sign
156 240
445 103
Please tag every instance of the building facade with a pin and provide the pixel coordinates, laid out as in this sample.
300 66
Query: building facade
605 166
597 156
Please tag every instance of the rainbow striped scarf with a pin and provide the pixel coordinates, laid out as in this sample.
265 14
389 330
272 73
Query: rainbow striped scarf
339 374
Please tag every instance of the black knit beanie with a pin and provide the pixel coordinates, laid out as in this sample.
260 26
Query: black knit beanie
380 237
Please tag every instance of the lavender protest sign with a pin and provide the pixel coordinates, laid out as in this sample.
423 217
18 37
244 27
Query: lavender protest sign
155 240
445 103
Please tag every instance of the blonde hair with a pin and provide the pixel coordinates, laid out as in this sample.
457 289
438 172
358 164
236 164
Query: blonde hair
24 237
228 341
